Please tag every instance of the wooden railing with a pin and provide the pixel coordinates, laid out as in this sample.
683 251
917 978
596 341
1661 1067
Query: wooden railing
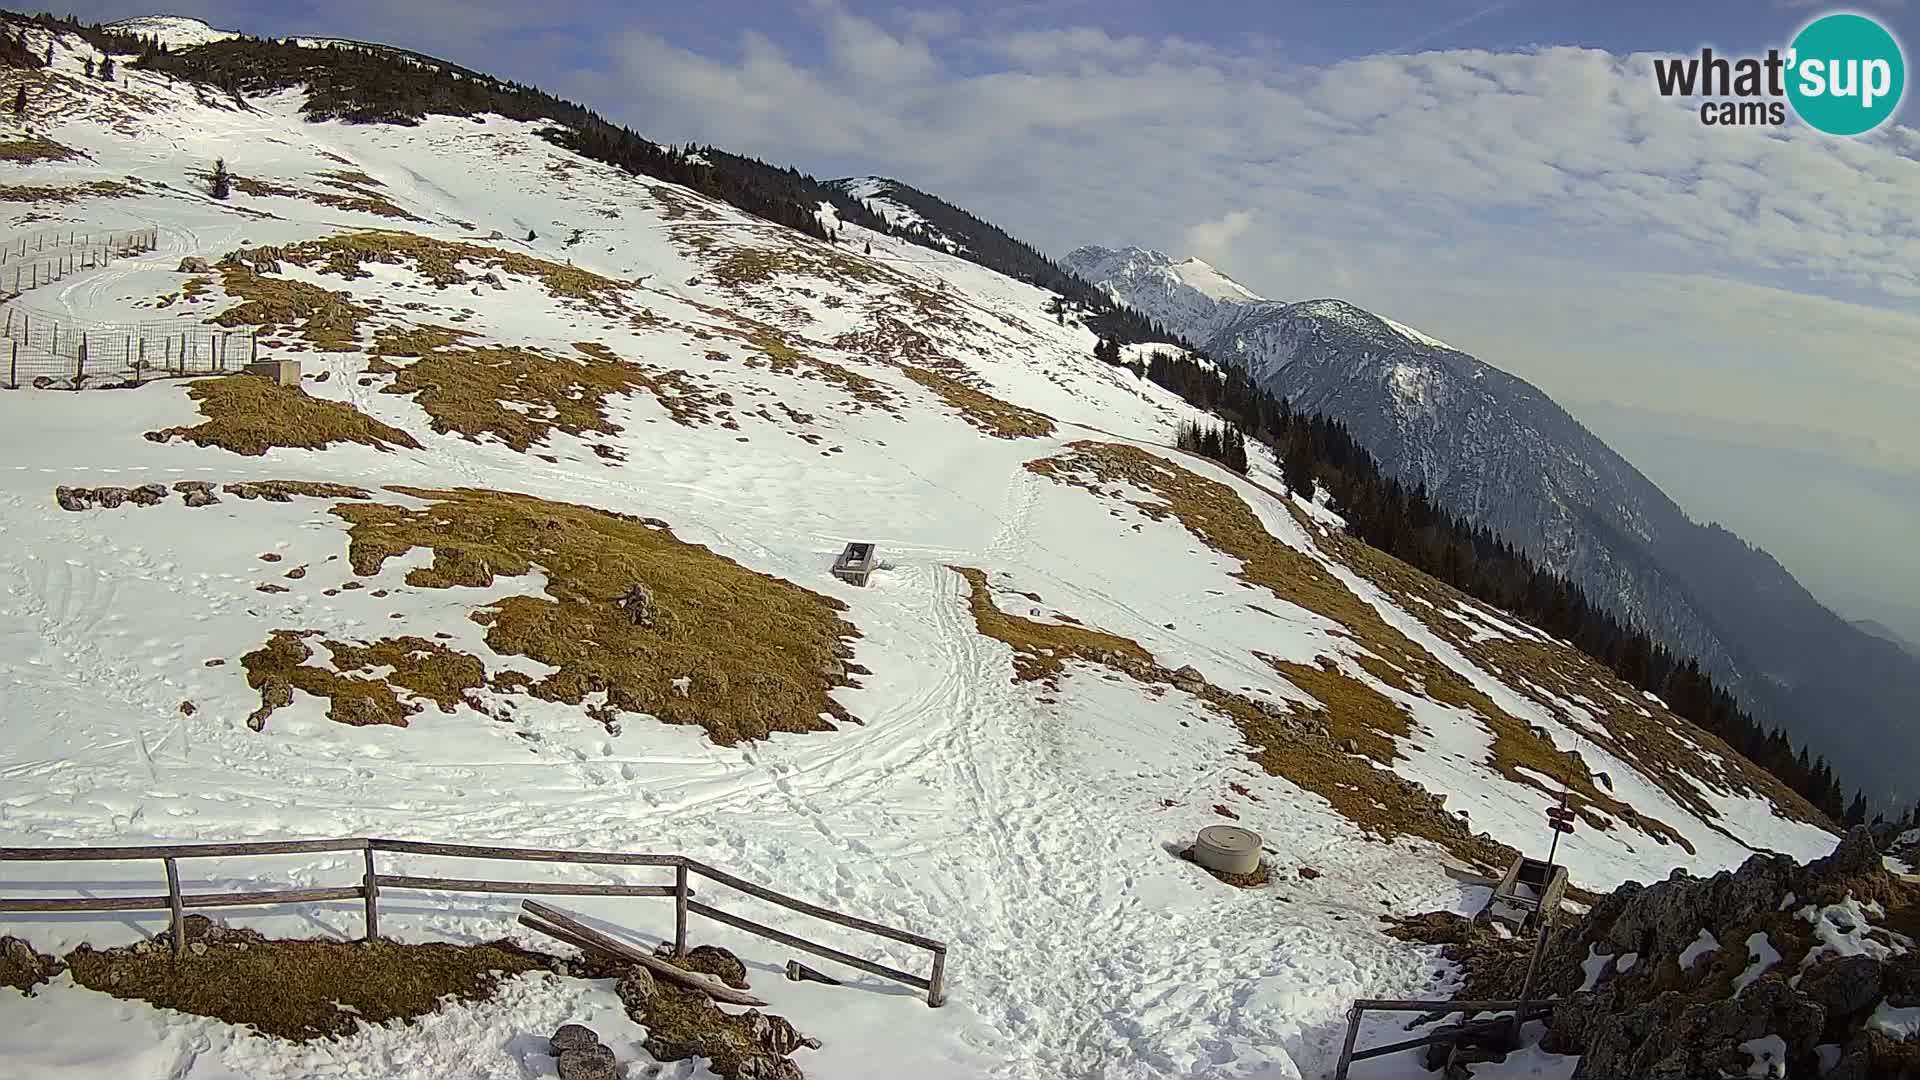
373 882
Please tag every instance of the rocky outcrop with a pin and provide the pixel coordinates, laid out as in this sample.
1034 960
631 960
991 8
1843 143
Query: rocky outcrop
1774 967
683 1023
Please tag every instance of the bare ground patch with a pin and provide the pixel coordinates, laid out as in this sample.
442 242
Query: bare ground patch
26 151
250 415
39 193
361 198
655 624
1665 748
356 695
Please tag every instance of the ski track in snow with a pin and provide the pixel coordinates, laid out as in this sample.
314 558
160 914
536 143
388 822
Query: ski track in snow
1032 828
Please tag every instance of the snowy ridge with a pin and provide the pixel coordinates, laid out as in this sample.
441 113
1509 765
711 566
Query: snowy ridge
875 191
173 31
1028 824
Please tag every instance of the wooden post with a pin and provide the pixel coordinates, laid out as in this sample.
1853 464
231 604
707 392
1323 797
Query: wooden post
179 916
80 361
373 898
680 910
1346 1052
937 981
13 373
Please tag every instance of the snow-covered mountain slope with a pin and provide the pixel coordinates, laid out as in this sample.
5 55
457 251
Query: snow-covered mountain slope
1085 646
884 196
1495 449
173 31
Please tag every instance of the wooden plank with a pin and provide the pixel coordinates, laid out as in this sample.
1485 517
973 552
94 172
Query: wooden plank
557 924
785 938
86 903
512 888
481 851
680 894
370 888
814 910
277 896
176 851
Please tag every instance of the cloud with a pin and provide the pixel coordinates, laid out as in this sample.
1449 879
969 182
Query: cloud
1210 239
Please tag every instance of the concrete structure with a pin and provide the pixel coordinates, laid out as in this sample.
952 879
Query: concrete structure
856 563
282 372
1227 849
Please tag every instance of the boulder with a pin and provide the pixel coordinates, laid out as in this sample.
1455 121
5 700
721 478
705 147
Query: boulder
1189 679
1845 987
639 606
110 497
572 1037
148 495
73 498
720 963
194 264
636 989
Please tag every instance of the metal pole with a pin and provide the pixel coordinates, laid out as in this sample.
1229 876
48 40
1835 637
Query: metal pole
173 900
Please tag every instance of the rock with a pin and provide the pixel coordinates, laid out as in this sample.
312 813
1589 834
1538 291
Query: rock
187 708
718 962
72 498
590 1063
768 1068
200 498
193 264
1350 746
637 988
110 497
776 1035
148 495
198 948
572 1037
1189 679
639 606
1844 987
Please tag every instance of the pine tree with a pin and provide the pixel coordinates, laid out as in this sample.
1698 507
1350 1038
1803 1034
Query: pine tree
222 184
106 69
532 236
49 56
20 102
867 248
89 67
1857 810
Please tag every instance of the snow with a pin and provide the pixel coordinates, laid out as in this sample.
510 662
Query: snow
1762 956
1896 1023
1211 283
1702 945
1416 336
1768 1054
174 31
1028 829
1843 929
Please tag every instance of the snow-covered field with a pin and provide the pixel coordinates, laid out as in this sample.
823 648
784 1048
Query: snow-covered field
1029 828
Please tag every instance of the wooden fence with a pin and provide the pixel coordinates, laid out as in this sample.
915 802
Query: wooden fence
372 882
45 349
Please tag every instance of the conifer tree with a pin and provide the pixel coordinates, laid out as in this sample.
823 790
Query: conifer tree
89 67
222 184
20 102
106 69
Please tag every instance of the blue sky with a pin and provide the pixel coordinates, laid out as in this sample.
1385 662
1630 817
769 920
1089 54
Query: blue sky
1500 175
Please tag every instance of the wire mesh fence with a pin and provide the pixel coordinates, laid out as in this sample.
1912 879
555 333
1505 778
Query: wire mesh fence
30 262
46 351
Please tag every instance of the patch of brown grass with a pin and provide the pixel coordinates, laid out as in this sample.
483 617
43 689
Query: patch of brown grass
329 321
22 967
469 390
447 263
1218 517
250 415
1371 797
1001 419
761 654
678 205
360 198
1661 746
302 989
680 392
33 193
357 697
26 151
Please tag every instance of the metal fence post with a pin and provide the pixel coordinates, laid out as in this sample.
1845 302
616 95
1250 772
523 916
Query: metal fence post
174 900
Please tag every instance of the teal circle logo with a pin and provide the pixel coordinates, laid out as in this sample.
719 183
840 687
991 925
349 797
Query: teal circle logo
1847 74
